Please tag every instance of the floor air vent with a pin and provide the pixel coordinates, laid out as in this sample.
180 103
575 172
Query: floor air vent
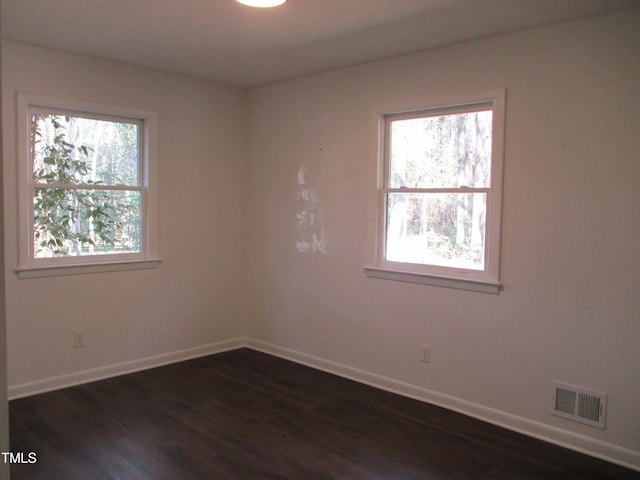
578 404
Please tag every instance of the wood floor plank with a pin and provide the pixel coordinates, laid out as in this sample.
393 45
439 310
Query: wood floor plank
246 415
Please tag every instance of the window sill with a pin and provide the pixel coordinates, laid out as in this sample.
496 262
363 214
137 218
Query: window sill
437 281
60 270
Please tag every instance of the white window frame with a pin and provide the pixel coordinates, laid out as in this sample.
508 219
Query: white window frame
485 281
28 265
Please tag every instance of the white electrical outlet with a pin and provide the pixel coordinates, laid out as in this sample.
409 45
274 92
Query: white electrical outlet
426 353
78 339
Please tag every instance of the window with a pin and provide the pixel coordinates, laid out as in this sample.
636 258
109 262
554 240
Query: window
87 179
439 192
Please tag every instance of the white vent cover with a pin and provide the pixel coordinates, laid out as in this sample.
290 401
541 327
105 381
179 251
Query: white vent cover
578 404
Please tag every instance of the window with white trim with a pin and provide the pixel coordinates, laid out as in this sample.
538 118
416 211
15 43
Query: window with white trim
87 187
439 192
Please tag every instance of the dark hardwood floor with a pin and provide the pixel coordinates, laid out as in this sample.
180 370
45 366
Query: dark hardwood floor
245 415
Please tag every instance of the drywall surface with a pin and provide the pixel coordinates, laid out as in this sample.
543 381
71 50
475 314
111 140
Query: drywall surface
570 258
4 405
195 297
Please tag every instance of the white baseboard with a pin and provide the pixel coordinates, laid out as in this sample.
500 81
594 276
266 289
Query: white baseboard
605 451
100 373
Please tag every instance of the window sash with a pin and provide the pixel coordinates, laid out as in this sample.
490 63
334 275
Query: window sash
138 122
426 114
437 268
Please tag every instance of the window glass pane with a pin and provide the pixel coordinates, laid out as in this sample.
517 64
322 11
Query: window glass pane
73 222
445 229
77 150
447 151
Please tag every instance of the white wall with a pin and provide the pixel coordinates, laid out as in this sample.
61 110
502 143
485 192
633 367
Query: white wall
196 298
570 261
4 405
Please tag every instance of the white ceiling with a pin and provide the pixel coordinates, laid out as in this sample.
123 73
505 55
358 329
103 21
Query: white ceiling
231 43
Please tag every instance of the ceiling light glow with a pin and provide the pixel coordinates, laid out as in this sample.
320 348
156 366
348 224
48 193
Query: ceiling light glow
261 3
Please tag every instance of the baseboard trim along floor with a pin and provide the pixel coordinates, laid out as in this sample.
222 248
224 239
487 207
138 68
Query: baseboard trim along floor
116 369
605 451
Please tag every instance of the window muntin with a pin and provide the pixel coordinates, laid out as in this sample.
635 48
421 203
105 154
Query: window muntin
87 175
439 193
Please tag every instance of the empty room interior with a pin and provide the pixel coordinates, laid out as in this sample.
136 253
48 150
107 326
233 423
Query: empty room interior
267 230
